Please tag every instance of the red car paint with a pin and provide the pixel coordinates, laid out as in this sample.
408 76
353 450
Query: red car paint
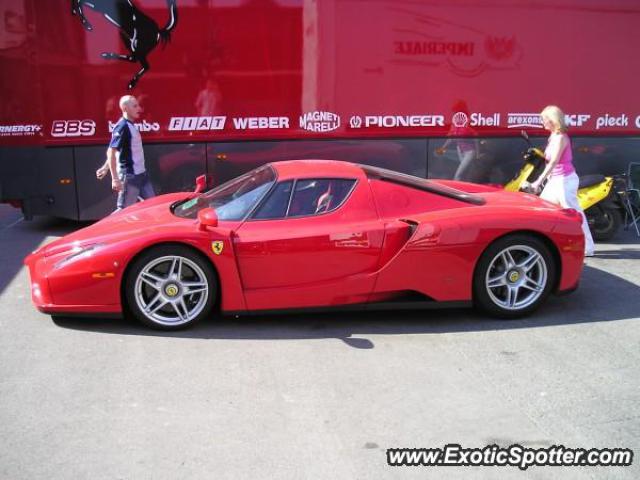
383 241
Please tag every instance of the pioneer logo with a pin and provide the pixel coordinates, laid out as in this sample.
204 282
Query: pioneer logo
524 120
191 124
258 123
392 121
19 130
355 121
319 121
73 128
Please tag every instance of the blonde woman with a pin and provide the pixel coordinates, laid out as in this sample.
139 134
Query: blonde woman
562 182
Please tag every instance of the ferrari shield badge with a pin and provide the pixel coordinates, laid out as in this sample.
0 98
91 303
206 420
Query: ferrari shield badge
217 247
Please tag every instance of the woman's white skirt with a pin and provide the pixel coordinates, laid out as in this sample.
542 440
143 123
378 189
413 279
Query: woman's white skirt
563 190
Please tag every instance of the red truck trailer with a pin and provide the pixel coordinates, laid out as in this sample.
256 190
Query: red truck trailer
227 85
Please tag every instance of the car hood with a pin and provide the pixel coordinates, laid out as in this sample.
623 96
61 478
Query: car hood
146 216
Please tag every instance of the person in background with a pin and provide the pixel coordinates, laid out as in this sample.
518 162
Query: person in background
562 181
462 136
125 157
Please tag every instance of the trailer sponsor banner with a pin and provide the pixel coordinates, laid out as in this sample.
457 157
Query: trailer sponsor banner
207 71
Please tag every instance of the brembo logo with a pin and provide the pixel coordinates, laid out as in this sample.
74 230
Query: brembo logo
392 121
73 128
142 127
319 121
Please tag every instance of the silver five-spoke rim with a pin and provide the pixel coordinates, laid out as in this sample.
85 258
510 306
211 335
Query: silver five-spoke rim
171 290
516 277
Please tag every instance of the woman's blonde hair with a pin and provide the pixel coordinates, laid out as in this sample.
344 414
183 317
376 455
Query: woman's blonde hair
556 116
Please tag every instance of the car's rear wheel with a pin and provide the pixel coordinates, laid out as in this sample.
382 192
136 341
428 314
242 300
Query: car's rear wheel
514 276
170 287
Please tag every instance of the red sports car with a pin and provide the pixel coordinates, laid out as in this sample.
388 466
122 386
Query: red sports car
308 234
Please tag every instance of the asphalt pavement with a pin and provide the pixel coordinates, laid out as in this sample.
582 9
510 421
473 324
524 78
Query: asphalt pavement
315 396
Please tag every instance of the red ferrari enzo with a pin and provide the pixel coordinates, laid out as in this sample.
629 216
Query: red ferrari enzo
313 234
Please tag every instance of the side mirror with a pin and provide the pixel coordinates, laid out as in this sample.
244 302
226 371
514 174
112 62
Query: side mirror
208 218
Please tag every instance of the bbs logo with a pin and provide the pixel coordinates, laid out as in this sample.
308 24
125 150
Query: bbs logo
73 128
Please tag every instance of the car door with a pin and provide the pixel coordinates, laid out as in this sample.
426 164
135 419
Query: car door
311 243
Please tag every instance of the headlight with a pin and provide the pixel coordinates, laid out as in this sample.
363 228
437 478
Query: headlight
77 253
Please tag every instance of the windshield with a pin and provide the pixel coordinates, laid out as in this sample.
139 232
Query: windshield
232 200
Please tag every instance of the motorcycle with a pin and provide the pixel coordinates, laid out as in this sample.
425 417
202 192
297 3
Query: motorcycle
598 195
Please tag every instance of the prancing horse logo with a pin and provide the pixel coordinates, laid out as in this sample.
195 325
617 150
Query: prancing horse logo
139 32
217 247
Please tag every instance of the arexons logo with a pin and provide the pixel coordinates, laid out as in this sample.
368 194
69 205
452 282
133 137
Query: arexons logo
73 128
393 121
319 121
524 120
190 124
142 127
19 130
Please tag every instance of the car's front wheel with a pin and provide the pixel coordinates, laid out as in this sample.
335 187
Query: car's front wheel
170 287
514 276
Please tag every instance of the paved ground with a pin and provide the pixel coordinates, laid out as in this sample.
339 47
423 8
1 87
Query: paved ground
316 396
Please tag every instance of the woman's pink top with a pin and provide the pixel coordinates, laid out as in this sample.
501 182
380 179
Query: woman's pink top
564 166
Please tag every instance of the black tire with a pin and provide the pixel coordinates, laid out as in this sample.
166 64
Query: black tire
170 287
531 283
604 221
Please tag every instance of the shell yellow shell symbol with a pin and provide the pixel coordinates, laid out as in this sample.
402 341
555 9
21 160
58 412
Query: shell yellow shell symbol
217 247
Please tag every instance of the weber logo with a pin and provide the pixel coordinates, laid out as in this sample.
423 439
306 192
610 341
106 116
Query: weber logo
192 124
257 123
319 121
73 128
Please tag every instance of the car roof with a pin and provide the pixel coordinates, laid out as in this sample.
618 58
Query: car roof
316 169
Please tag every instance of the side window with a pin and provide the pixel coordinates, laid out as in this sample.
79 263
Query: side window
275 206
316 196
